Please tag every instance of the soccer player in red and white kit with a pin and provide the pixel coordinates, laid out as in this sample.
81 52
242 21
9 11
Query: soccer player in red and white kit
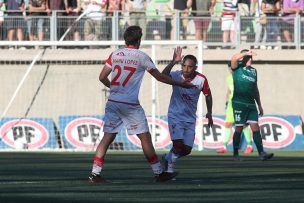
183 106
128 66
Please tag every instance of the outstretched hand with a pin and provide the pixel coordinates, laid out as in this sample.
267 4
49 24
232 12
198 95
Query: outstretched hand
177 56
210 120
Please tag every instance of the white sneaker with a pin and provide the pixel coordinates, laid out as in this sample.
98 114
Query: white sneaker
22 48
256 47
276 48
269 47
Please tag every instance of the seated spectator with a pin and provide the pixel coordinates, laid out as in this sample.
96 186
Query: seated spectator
290 9
15 24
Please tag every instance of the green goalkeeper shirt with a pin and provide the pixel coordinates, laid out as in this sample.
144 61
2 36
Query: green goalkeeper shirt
245 84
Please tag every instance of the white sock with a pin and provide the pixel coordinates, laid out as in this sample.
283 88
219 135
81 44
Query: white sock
157 168
96 169
171 157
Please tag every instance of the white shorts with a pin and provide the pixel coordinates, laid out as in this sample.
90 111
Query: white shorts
227 23
118 115
180 130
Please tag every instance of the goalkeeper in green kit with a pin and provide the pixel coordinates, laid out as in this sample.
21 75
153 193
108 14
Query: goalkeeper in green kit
246 98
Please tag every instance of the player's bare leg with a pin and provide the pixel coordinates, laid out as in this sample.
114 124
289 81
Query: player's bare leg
98 163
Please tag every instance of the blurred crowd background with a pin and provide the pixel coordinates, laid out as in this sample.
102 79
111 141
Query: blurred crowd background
220 24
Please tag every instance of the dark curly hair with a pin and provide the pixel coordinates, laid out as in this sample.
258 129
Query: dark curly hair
132 35
191 57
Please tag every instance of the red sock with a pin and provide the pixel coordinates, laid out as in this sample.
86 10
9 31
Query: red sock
99 161
153 159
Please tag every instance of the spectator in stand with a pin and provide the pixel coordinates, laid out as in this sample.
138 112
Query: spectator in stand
159 14
15 24
182 7
136 9
260 26
73 9
291 8
228 21
271 9
96 12
247 29
37 9
113 5
58 6
202 10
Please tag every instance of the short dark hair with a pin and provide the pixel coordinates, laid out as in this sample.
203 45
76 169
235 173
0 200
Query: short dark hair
245 58
132 35
244 50
191 57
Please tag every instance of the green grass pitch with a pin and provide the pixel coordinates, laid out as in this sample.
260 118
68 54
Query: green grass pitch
43 177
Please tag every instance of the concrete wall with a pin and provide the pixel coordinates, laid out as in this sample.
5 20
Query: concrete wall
75 90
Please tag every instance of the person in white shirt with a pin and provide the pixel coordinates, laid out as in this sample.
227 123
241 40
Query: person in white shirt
183 107
96 11
128 66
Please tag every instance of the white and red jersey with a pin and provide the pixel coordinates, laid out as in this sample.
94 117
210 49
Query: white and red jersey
128 67
183 103
230 7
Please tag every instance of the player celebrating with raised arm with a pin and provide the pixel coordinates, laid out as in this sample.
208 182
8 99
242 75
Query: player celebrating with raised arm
245 97
183 106
128 66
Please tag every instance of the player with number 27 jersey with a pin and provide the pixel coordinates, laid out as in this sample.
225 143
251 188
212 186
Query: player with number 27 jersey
127 63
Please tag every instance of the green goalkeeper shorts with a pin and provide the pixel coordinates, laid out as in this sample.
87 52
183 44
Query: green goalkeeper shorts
244 113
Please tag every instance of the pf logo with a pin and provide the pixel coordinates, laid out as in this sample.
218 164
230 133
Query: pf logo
276 132
162 135
212 137
84 133
24 134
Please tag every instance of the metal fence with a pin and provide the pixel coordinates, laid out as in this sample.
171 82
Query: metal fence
249 31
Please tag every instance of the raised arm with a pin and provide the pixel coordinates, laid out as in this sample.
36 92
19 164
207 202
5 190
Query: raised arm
238 56
177 57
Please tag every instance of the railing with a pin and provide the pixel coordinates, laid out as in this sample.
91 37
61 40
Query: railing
248 30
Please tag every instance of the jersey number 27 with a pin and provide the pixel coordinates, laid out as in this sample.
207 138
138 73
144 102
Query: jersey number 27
119 69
